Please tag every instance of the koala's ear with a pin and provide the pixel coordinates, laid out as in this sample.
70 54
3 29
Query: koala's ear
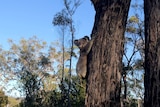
86 37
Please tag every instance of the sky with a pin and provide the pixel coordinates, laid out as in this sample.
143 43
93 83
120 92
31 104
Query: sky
28 18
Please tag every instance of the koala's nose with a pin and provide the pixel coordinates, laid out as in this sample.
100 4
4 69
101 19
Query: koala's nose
76 41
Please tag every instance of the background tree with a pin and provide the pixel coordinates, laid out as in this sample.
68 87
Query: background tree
133 59
105 58
61 19
152 53
64 19
133 70
30 66
70 9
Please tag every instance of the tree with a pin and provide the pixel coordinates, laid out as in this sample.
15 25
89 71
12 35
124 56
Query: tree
70 11
133 70
64 19
105 58
152 53
30 65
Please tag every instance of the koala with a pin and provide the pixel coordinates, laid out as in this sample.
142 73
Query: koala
84 44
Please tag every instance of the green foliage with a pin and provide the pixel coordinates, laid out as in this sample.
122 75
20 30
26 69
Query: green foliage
3 99
61 19
133 19
133 103
31 87
77 92
131 24
59 98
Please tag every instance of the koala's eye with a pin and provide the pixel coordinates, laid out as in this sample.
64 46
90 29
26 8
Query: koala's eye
76 40
85 40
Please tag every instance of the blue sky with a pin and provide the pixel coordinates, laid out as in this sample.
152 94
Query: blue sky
27 18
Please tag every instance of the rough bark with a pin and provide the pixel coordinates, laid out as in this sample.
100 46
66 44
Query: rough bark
152 53
105 58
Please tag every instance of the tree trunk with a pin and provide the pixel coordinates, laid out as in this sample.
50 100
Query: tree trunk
152 53
105 58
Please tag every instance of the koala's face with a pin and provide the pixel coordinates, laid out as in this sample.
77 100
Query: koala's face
81 43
